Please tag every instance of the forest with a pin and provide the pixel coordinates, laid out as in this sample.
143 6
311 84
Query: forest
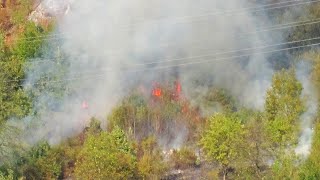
69 110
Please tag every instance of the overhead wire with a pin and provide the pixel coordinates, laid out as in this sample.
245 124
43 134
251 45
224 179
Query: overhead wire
179 65
287 25
258 9
187 63
251 9
265 29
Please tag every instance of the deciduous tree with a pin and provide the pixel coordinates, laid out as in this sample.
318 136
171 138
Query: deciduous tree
222 140
283 108
106 156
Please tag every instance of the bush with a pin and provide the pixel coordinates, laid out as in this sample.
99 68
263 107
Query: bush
106 156
183 158
151 164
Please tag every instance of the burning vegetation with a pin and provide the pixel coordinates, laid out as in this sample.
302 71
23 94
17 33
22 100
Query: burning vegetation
159 89
163 114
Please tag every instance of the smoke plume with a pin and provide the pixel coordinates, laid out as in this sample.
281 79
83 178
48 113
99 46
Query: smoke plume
109 47
311 104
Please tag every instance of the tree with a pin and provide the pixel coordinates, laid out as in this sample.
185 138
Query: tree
40 162
311 168
314 58
283 108
130 115
50 165
21 10
106 156
150 164
305 32
222 140
2 43
253 164
27 49
13 99
9 176
285 167
183 158
14 102
219 99
10 143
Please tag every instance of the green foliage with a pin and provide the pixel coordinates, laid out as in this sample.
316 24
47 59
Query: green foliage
118 117
183 158
106 156
2 44
160 117
9 176
19 15
29 45
10 143
222 140
130 114
220 99
120 140
316 72
150 167
283 108
13 99
256 152
94 127
50 166
150 164
40 150
240 140
14 102
285 167
308 31
41 162
314 58
311 168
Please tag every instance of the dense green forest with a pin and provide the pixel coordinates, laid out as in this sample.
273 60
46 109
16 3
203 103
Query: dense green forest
235 143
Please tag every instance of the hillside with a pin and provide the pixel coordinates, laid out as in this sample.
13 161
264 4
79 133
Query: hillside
159 89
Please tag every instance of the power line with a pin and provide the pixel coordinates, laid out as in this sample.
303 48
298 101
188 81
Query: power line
265 29
287 25
239 50
193 63
235 11
258 9
283 26
127 69
242 9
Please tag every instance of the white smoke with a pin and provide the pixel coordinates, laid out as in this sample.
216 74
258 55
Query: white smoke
110 46
311 104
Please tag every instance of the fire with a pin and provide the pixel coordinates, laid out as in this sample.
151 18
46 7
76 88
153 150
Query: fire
85 105
156 92
178 87
175 91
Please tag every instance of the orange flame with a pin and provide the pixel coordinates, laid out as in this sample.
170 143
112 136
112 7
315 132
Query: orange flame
85 105
156 92
178 87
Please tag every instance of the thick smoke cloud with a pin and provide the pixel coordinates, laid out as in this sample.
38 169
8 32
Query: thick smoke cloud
111 46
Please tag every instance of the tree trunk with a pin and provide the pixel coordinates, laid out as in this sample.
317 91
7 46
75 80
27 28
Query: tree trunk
134 128
225 171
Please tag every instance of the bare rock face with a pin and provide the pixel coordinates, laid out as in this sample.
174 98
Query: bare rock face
49 9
